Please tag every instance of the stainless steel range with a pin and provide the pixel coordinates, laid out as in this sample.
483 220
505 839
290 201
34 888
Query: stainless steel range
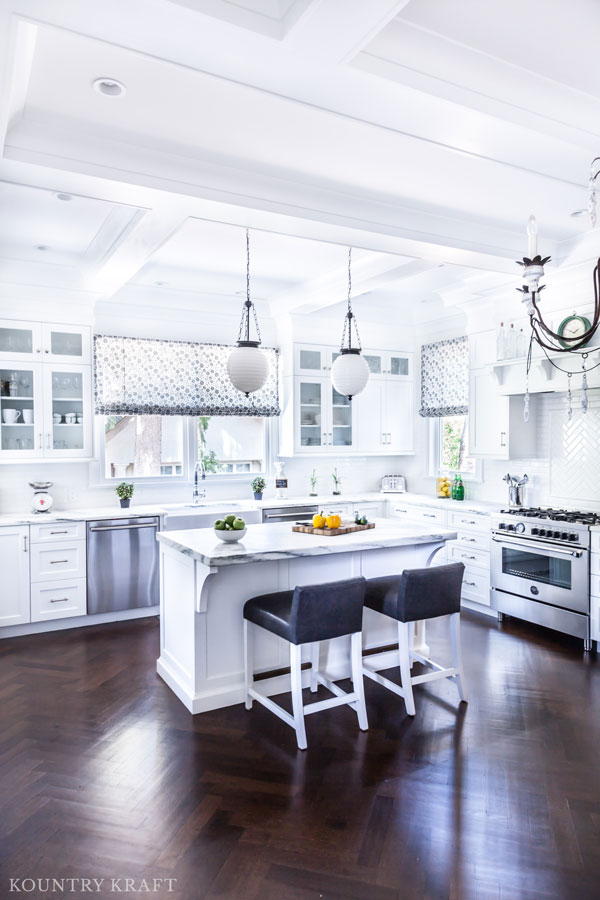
540 567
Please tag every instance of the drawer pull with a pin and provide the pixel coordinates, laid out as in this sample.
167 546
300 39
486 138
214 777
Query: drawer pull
59 532
466 556
468 522
55 562
62 600
429 515
470 540
470 583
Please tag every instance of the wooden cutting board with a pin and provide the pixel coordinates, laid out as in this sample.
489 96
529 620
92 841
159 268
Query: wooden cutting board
331 532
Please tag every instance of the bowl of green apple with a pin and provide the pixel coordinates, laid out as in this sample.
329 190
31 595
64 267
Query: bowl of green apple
230 528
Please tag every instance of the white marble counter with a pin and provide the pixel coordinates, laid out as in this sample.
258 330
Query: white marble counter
275 542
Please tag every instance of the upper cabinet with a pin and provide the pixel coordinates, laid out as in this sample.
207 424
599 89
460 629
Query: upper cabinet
496 425
45 391
42 341
318 420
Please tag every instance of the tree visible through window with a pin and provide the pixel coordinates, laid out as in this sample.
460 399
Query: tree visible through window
143 446
454 445
229 445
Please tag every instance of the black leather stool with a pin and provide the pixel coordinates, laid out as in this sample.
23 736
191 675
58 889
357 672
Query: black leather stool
307 615
415 595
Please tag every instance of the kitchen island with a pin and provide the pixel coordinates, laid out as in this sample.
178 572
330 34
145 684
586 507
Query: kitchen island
204 584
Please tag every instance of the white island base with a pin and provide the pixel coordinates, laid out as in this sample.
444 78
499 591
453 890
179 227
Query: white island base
204 585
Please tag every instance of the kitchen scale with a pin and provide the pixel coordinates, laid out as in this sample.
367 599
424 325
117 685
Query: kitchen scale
42 501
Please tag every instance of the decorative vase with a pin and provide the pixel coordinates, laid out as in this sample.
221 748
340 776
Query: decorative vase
258 495
125 503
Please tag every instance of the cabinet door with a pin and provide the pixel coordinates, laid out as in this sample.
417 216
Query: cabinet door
398 365
14 565
20 341
398 416
21 418
369 405
67 411
66 343
488 416
341 420
311 425
311 359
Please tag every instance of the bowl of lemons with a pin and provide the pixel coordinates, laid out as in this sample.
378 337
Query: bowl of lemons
230 528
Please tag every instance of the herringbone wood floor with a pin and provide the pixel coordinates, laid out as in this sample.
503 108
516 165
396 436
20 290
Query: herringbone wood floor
104 774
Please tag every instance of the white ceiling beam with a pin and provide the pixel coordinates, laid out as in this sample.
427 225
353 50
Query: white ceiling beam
337 30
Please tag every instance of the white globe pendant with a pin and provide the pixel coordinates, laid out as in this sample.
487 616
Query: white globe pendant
248 367
350 373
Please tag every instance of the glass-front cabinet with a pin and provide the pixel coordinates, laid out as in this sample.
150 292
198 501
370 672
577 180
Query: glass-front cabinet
21 413
324 418
45 411
341 420
42 341
310 405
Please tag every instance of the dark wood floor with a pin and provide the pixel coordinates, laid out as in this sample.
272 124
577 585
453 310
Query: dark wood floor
104 774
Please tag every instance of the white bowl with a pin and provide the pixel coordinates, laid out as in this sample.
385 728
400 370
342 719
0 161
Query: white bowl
230 536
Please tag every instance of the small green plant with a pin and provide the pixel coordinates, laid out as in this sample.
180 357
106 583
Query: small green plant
258 484
124 490
313 481
337 481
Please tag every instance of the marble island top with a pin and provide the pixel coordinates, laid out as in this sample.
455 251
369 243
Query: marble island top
274 542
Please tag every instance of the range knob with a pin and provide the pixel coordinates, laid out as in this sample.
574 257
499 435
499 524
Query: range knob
502 525
520 527
542 532
511 527
535 530
573 537
564 536
557 534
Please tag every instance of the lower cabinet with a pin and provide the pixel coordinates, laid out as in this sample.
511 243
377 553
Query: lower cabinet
14 566
58 571
58 600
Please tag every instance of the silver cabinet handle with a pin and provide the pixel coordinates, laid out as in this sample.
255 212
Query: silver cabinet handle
56 562
503 439
123 527
429 515
47 442
465 539
466 556
24 543
41 441
46 351
389 437
470 583
38 350
61 600
383 437
59 532
467 522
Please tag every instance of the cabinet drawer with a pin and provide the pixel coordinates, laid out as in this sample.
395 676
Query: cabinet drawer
473 540
595 618
476 586
469 557
423 514
58 600
343 510
370 510
595 564
57 531
595 585
469 520
57 561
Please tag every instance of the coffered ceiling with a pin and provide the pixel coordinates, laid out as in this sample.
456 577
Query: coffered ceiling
421 132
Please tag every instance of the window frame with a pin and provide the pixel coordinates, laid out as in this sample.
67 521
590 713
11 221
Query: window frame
98 475
435 467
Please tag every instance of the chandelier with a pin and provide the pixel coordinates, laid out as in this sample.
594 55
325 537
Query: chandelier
248 366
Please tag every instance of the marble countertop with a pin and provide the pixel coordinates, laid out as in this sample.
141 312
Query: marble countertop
273 542
324 502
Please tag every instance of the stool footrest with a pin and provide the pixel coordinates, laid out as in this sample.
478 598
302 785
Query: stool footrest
273 707
384 682
329 704
433 676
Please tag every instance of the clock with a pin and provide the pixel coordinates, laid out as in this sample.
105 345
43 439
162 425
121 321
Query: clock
573 327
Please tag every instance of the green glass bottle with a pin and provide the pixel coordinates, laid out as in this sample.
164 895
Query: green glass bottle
460 489
454 487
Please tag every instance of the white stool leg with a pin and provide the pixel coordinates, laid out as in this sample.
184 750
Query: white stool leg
297 706
314 665
404 652
357 679
457 655
248 661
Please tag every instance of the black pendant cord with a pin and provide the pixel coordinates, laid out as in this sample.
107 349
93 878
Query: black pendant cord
248 305
349 318
539 327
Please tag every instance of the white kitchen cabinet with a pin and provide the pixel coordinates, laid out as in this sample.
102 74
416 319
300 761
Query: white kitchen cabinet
496 426
58 600
45 411
58 560
14 566
58 570
313 359
384 416
43 341
324 419
370 510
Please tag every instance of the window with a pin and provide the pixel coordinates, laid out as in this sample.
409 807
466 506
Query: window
449 446
231 445
143 446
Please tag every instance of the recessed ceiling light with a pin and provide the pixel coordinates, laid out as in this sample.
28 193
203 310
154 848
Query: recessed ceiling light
42 247
110 87
65 197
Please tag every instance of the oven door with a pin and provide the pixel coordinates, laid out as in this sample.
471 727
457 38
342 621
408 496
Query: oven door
555 575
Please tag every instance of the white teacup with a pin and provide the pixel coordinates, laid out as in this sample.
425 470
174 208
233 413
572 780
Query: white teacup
28 416
10 416
57 418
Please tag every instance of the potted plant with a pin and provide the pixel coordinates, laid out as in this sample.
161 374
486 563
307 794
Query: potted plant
124 493
258 486
337 483
313 483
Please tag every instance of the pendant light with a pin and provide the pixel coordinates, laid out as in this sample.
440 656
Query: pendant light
248 366
350 372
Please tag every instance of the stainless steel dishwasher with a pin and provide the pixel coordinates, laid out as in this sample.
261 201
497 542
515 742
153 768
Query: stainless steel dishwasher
288 514
122 564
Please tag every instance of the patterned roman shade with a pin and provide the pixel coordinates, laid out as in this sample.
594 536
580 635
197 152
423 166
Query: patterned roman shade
445 378
137 376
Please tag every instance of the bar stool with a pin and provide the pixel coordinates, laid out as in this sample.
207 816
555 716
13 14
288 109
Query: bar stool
415 595
307 615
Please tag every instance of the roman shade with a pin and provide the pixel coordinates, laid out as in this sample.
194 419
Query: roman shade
445 378
139 376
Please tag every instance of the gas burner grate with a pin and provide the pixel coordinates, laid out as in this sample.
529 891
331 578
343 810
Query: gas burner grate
574 517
